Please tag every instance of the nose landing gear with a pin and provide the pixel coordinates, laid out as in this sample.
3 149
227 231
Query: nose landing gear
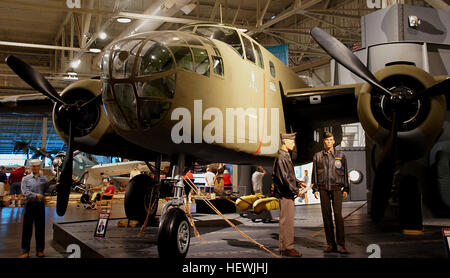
174 229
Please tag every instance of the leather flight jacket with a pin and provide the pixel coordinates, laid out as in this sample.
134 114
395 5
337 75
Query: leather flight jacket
283 175
330 171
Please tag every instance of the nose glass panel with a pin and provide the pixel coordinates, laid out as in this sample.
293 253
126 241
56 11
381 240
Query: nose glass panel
152 112
124 57
111 107
162 87
156 58
127 101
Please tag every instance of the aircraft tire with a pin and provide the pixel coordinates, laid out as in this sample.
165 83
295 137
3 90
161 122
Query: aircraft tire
137 196
443 177
174 235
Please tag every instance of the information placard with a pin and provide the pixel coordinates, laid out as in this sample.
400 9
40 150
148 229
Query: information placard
102 223
446 234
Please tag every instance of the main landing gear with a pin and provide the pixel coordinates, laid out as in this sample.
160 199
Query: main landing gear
174 229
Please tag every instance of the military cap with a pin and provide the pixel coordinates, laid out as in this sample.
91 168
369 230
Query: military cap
290 136
35 162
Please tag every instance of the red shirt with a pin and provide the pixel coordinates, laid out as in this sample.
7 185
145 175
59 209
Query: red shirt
226 179
17 175
110 189
189 175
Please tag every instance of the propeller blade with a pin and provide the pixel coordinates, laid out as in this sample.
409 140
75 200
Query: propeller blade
345 57
65 180
93 100
441 88
384 174
33 78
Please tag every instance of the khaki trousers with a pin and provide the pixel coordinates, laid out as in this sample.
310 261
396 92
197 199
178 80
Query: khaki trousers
286 223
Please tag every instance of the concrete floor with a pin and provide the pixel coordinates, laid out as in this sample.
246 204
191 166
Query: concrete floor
219 240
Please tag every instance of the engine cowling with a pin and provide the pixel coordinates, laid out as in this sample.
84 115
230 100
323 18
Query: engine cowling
94 122
422 120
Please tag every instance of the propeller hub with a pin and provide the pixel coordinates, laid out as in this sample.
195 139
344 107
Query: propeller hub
84 118
400 101
411 112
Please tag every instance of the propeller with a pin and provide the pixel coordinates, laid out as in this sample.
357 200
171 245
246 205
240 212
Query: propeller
33 78
384 174
65 178
344 56
71 111
435 90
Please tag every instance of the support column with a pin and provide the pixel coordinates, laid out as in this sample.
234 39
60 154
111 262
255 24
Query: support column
44 133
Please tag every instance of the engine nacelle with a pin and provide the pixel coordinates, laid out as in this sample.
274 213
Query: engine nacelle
422 121
93 131
94 122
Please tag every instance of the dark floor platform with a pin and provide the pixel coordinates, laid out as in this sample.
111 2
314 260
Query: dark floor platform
219 240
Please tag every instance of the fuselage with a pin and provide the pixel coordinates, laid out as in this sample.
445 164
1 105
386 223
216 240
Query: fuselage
206 90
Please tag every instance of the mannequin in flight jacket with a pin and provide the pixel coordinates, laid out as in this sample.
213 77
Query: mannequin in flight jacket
329 177
287 187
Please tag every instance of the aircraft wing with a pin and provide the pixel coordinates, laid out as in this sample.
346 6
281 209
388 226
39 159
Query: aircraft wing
116 169
97 172
28 104
322 106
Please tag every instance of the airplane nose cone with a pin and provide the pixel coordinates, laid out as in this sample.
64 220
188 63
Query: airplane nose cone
139 83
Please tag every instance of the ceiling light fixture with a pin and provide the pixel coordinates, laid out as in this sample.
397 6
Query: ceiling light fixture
102 35
75 63
123 20
95 50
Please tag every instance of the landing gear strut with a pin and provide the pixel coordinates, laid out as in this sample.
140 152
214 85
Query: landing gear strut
174 229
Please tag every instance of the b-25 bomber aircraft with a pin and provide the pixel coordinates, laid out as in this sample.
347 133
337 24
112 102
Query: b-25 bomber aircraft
210 92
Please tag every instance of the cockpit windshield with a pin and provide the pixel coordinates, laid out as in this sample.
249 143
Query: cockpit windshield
227 35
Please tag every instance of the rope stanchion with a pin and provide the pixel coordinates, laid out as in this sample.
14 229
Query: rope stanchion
347 216
195 189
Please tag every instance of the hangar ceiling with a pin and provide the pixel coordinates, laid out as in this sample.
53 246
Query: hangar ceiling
49 35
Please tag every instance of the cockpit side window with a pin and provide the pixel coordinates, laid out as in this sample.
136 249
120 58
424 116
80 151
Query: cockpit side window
227 35
201 61
249 54
155 59
272 69
210 43
259 55
217 65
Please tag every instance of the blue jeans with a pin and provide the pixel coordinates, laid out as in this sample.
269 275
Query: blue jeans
15 188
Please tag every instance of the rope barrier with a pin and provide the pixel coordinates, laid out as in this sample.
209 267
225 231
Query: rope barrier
148 214
195 189
191 220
